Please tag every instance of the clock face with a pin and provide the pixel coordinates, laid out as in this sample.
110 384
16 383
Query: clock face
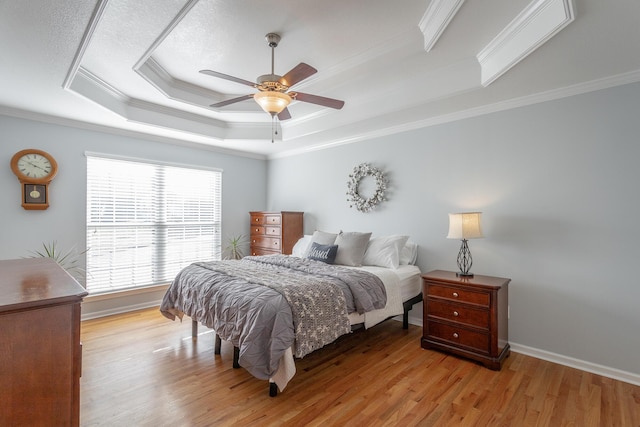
34 165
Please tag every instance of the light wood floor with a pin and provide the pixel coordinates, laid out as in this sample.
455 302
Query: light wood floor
140 369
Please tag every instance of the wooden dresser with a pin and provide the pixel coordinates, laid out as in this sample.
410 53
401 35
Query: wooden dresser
275 232
40 353
466 316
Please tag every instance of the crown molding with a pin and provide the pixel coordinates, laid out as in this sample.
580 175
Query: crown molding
436 18
77 124
165 33
577 89
96 16
535 25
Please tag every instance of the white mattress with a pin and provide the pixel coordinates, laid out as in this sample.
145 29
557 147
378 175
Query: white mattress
410 281
402 284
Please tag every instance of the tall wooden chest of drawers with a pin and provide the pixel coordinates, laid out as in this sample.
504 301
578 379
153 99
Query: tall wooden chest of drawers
466 316
39 344
275 232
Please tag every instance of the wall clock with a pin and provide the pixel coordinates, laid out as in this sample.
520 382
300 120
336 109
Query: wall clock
35 170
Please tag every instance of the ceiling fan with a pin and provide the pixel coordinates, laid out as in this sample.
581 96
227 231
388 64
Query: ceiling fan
273 90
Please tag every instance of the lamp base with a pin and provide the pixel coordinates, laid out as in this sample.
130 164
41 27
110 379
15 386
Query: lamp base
461 274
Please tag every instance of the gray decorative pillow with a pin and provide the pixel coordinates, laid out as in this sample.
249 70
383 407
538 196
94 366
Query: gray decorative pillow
323 237
324 253
351 248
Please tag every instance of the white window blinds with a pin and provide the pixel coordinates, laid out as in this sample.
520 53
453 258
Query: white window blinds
147 221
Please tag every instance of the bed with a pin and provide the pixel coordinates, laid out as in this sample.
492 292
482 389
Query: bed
275 308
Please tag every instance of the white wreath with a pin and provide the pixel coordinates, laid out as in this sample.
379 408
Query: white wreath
361 203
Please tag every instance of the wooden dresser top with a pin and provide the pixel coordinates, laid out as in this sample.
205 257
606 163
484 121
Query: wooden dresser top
35 282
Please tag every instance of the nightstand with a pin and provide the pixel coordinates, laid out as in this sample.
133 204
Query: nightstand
466 316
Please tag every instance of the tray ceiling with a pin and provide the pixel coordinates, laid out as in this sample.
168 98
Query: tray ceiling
133 66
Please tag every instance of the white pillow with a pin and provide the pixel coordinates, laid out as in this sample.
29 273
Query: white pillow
409 254
302 246
384 251
351 248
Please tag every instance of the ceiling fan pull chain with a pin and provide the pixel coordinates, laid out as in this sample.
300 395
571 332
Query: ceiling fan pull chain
274 131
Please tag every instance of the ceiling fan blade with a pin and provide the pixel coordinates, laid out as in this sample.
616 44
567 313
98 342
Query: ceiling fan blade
320 100
227 77
231 101
284 115
297 74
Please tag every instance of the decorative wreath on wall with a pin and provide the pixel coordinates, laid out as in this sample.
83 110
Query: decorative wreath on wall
361 203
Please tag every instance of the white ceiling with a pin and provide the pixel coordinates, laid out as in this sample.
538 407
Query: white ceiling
132 65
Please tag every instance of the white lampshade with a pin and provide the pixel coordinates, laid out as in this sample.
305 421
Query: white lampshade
271 101
463 226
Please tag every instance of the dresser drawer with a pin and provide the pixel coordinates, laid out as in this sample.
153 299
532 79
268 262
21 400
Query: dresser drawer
257 230
263 251
458 313
460 337
272 231
257 219
272 219
271 243
456 294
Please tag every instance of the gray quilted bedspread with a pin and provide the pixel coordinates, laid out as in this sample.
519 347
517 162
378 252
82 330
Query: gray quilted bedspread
267 304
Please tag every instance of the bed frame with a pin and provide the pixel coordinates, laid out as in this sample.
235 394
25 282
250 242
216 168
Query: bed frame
273 388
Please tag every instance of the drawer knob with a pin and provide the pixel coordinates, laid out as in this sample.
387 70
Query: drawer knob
455 295
257 229
455 335
456 314
254 240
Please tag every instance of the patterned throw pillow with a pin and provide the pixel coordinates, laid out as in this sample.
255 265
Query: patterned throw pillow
324 253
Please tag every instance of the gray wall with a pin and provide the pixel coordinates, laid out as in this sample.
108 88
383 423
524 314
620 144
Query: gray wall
243 188
558 185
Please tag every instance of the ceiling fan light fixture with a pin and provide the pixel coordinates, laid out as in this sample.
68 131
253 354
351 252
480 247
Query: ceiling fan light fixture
272 102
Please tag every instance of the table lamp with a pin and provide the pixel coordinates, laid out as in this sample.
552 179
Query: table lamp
464 226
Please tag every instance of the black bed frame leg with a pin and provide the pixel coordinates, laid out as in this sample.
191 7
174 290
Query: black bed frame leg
273 389
194 330
218 344
236 356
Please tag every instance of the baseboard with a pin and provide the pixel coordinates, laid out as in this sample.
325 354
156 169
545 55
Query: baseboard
120 310
583 365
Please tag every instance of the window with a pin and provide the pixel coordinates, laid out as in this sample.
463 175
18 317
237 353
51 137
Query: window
146 221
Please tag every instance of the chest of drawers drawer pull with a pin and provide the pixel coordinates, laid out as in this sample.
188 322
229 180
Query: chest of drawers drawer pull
455 295
456 314
455 335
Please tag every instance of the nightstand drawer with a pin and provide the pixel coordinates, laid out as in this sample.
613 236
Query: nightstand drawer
458 313
459 337
456 294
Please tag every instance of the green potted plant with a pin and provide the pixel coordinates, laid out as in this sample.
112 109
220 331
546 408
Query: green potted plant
69 260
234 248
